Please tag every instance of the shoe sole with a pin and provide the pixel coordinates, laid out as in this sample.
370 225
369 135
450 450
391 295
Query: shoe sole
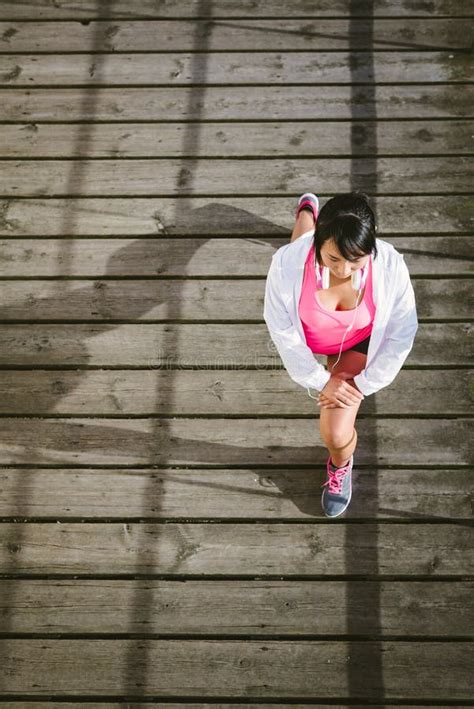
317 203
310 194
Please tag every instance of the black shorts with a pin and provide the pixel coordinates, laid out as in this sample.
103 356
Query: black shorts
361 346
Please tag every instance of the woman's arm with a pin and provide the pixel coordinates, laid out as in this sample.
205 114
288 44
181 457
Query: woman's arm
398 338
297 357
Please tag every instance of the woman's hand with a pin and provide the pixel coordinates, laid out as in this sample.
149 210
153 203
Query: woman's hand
340 392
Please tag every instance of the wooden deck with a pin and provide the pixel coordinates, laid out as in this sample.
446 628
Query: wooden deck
162 538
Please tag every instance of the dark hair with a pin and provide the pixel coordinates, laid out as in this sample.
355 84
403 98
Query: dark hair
350 221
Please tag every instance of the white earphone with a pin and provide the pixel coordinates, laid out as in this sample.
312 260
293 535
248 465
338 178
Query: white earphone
358 280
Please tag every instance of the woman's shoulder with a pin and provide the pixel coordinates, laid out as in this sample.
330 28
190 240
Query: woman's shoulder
394 268
293 254
389 254
385 247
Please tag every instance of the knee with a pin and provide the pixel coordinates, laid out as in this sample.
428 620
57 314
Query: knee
338 437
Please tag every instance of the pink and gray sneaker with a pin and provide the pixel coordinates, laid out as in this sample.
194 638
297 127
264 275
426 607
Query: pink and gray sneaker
337 491
308 200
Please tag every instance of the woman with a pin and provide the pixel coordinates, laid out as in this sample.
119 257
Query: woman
337 290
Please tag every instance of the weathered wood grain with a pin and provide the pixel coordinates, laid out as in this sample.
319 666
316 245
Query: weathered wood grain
227 393
252 103
193 299
228 441
224 177
258 668
232 549
427 608
210 346
219 258
250 494
233 69
200 422
398 34
224 9
202 705
301 139
437 215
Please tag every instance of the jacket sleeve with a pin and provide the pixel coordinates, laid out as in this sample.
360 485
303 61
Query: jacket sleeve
398 339
297 357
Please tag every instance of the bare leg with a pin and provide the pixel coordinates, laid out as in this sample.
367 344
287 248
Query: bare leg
341 456
304 222
337 425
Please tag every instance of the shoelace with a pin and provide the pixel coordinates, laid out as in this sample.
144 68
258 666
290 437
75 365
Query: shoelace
335 479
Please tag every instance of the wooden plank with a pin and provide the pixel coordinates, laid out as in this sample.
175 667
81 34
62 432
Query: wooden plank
224 177
227 441
224 299
226 9
148 140
202 705
213 346
230 393
251 103
411 609
397 34
229 549
225 494
223 216
258 668
235 68
213 257
189 705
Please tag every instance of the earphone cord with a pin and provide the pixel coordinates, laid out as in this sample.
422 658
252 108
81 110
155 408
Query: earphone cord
347 330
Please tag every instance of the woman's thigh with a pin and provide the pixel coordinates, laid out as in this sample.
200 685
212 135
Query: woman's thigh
337 425
350 361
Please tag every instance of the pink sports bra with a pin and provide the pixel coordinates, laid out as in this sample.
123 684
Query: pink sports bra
323 328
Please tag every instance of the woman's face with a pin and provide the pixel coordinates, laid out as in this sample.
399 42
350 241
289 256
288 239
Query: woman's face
340 267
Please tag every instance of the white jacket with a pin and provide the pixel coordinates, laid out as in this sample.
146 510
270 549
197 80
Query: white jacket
394 327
